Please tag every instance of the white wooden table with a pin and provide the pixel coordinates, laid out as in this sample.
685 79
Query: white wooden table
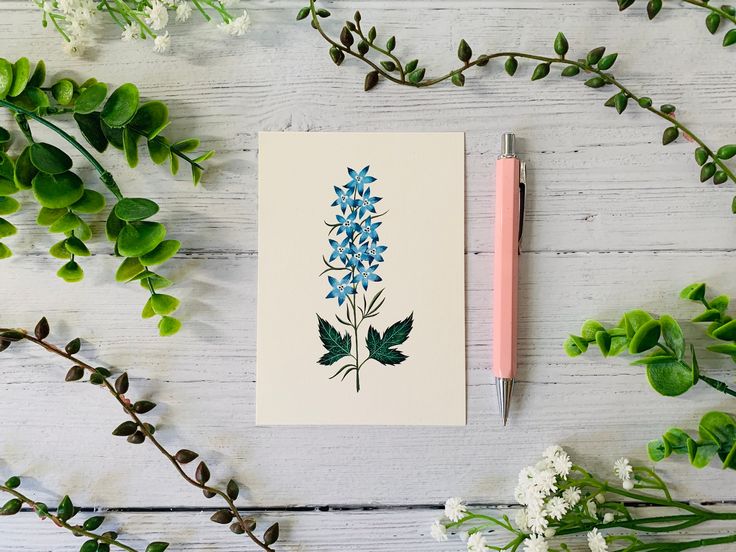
614 221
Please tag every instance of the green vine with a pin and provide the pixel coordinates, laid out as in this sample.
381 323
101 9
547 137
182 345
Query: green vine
716 15
65 511
137 431
120 120
385 64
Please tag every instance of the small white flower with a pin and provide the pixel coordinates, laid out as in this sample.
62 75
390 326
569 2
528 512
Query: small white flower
552 451
535 543
477 543
438 531
522 522
183 11
538 522
596 542
162 43
236 27
571 496
74 46
623 469
628 484
592 508
157 15
556 508
608 517
65 6
561 464
130 32
545 481
455 509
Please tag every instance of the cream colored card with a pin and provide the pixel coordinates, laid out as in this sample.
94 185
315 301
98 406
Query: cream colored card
361 301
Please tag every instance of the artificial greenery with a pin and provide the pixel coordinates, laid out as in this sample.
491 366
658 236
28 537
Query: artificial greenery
717 437
136 431
717 14
65 200
671 362
355 41
65 511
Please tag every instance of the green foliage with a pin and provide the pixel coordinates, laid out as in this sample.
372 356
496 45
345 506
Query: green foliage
670 361
121 120
338 346
716 16
594 66
717 437
382 348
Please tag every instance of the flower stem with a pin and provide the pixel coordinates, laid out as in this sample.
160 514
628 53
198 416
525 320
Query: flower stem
144 429
76 530
107 179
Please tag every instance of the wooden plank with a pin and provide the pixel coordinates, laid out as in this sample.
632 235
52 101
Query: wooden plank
334 531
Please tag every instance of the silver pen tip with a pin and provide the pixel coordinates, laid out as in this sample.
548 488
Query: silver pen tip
504 389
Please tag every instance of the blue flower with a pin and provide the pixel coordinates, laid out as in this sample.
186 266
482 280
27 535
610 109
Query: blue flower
375 252
344 201
340 289
348 224
340 250
366 203
358 254
368 230
358 180
366 274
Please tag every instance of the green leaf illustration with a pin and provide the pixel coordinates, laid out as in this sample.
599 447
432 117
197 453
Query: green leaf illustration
381 348
337 345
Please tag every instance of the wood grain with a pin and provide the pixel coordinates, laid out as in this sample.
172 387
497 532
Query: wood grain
614 221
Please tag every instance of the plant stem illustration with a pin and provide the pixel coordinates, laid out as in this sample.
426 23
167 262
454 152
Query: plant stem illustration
355 256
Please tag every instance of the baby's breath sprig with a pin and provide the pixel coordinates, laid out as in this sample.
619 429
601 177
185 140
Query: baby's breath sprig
559 498
65 511
137 431
77 20
120 120
671 363
716 15
355 41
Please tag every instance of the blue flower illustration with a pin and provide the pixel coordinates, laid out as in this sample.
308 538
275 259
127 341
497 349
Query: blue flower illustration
344 199
340 289
348 225
368 230
366 204
340 250
366 274
375 252
358 254
358 180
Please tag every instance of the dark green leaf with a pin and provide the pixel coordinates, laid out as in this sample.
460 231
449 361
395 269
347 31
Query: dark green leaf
139 238
670 135
607 62
63 91
337 345
121 106
11 507
416 76
303 13
670 377
90 98
701 156
411 66
157 547
511 66
76 246
91 127
75 373
621 100
21 75
645 102
24 171
653 8
56 192
49 159
672 334
391 43
233 490
570 71
39 75
271 535
13 482
151 118
346 37
730 38
713 21
65 510
464 51
202 473
223 517
93 523
657 450
113 135
540 71
143 407
381 348
185 456
389 66
561 45
707 171
125 429
596 82
645 337
726 152
371 80
337 55
458 79
595 55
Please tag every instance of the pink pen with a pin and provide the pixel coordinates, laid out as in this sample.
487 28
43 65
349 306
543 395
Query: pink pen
510 189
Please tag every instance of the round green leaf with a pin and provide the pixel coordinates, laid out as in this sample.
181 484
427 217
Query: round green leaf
57 191
672 334
657 450
163 252
607 62
46 216
669 377
65 223
83 231
570 71
21 74
129 269
168 325
24 170
571 348
71 272
91 98
635 319
151 118
76 246
63 91
540 71
121 105
91 126
726 332
6 228
701 453
113 226
8 206
5 251
6 77
155 281
90 202
590 329
701 156
645 337
561 45
726 152
39 75
49 159
139 238
135 208
60 251
148 310
720 428
730 38
669 135
164 304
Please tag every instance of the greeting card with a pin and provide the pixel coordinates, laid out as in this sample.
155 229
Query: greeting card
361 315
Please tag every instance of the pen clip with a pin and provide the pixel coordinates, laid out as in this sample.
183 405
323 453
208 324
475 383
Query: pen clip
522 201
